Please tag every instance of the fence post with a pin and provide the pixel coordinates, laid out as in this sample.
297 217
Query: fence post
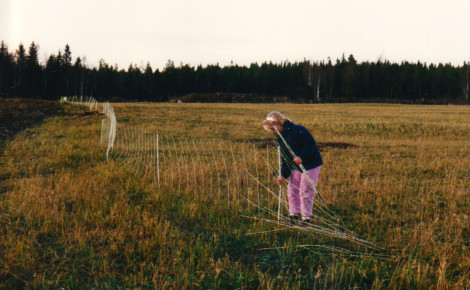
280 186
158 164
102 131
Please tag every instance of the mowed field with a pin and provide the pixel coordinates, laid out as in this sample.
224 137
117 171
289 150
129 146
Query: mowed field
397 175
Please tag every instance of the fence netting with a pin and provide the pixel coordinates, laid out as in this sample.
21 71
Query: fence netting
242 174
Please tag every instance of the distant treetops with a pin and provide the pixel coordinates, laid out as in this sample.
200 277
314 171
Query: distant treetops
345 80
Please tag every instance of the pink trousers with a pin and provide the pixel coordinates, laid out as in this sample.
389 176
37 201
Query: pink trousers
300 192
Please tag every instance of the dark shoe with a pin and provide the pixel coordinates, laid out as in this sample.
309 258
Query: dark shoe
294 220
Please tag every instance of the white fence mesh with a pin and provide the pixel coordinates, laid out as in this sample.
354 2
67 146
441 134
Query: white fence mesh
214 170
87 101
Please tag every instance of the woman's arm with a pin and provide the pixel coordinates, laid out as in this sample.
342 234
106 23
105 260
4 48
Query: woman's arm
308 143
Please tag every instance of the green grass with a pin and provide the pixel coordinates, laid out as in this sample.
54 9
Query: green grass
69 218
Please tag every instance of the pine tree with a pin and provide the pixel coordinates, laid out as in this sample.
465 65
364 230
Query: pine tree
20 70
33 71
67 67
77 78
6 70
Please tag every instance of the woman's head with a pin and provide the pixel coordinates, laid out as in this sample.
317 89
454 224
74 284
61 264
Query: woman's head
274 119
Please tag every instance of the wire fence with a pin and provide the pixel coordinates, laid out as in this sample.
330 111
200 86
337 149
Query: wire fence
90 102
241 174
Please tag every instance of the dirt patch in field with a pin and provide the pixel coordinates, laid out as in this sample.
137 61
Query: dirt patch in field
263 143
340 145
19 114
86 113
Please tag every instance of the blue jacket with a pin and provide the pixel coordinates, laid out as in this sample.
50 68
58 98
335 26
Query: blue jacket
302 143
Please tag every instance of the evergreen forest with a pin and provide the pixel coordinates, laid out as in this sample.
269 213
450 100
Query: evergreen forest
23 75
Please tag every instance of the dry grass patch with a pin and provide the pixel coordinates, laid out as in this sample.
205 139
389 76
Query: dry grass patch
69 218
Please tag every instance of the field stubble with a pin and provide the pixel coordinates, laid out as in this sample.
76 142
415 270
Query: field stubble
70 218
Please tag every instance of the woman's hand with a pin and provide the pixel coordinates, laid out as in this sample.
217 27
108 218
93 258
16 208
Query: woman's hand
279 181
298 160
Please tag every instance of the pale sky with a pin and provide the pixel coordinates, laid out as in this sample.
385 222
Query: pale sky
245 31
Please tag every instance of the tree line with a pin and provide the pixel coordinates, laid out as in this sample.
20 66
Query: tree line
22 75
